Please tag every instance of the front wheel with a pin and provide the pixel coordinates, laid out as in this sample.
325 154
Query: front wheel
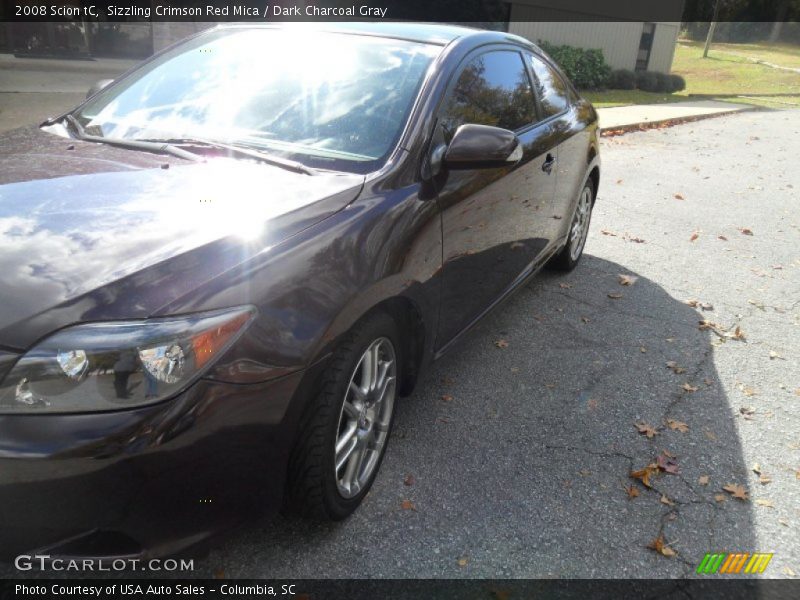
345 430
567 259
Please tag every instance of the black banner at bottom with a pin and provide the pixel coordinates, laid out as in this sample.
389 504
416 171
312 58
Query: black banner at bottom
416 589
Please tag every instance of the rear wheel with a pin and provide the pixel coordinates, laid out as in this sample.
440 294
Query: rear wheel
346 428
567 259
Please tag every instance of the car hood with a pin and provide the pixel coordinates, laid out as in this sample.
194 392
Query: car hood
89 231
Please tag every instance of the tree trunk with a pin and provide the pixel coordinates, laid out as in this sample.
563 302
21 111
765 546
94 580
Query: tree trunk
712 27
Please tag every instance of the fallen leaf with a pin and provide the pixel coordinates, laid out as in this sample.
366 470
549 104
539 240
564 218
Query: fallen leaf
710 435
671 364
764 479
720 497
735 490
645 474
788 572
607 232
679 197
643 350
585 319
462 562
773 355
737 334
627 279
677 425
646 429
747 412
687 387
501 344
632 491
584 472
615 296
667 501
746 231
765 502
565 286
408 505
409 480
695 235
703 479
659 546
447 398
722 237
667 463
619 181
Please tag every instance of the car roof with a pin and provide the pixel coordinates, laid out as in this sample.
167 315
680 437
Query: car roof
429 33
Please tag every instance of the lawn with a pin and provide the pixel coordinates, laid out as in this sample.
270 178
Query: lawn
729 73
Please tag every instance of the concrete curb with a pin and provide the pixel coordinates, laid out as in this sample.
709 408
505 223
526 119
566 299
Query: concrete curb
663 123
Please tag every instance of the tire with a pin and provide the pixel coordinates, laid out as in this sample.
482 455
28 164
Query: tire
568 257
315 484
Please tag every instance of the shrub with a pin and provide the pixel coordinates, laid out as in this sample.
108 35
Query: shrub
622 79
587 69
677 83
663 83
647 81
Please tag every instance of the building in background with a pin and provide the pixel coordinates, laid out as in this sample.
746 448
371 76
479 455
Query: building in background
611 26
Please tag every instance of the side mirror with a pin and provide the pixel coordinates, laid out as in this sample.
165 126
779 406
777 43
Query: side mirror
482 147
98 86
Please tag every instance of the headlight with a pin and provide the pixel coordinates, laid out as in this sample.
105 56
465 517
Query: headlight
123 364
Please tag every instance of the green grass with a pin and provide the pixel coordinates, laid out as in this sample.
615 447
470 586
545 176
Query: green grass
729 73
610 98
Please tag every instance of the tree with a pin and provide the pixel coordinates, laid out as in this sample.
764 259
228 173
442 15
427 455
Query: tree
711 28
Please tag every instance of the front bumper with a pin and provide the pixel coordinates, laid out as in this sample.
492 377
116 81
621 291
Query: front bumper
147 482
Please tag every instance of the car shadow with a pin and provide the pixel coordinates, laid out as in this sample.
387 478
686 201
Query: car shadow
513 456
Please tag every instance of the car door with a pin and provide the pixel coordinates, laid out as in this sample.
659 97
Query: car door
496 221
557 108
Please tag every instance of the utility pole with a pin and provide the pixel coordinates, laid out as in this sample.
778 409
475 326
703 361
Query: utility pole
711 28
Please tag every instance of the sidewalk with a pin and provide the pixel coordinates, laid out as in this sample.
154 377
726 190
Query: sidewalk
628 116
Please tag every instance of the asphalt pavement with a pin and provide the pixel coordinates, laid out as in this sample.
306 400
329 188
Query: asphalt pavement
520 456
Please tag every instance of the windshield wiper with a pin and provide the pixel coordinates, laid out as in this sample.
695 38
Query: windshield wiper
271 159
147 146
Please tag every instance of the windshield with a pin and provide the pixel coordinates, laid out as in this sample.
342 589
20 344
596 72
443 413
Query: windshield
331 101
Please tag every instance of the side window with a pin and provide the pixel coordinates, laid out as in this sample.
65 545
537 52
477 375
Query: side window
552 90
493 89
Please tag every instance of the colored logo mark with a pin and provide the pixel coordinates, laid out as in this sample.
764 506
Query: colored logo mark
736 563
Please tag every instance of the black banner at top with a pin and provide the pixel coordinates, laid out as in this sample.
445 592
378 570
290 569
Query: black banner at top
460 11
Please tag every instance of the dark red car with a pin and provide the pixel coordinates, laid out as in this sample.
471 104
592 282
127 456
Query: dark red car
220 273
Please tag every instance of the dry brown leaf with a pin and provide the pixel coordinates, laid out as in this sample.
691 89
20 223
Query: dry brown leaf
501 344
722 237
619 181
695 235
615 296
643 350
565 286
720 497
627 279
679 197
737 334
666 462
462 562
409 480
703 479
687 387
671 364
765 479
735 490
645 474
607 232
765 502
408 505
659 546
677 425
585 319
447 398
745 231
632 491
667 501
646 429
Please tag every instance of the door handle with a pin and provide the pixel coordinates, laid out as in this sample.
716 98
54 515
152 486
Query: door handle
547 165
